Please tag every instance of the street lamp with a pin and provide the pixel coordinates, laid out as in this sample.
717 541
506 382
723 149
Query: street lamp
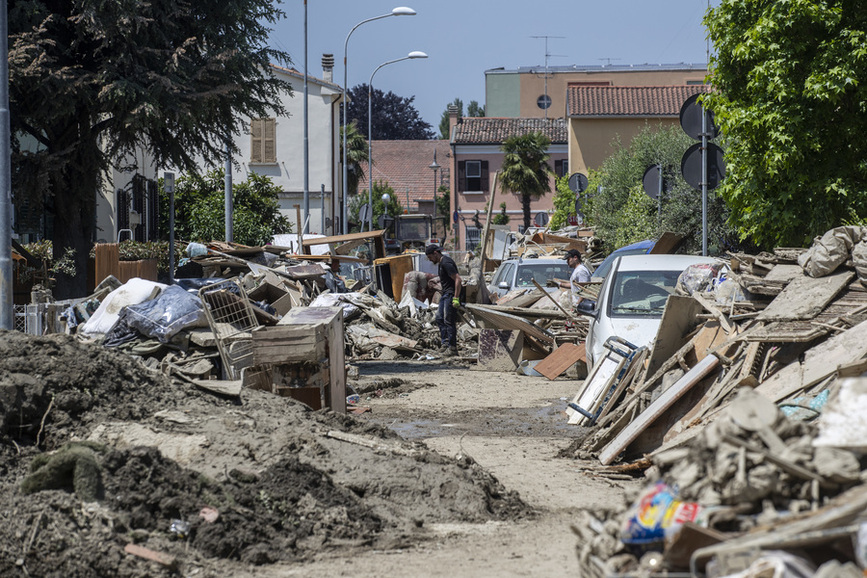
412 55
435 167
399 11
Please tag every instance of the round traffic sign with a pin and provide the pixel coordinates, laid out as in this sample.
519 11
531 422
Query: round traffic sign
690 118
650 180
541 219
364 213
690 165
578 182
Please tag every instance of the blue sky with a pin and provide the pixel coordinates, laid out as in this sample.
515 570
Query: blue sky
465 38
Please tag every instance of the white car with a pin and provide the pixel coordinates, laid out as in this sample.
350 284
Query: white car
632 298
520 273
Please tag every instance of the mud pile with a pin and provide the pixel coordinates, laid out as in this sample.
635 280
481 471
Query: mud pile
98 452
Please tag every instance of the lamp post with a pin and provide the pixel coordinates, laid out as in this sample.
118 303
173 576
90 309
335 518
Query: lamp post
435 167
399 11
412 55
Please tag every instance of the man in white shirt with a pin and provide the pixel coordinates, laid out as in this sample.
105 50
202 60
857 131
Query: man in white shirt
580 274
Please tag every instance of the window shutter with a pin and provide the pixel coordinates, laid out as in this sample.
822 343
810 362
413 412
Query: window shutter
256 140
269 140
462 176
485 183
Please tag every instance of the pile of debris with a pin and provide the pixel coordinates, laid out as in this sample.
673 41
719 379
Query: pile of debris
729 410
109 467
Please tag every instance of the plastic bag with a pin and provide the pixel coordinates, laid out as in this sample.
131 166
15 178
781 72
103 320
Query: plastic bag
830 251
699 278
132 292
161 318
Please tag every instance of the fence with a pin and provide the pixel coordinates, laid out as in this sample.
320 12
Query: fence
42 318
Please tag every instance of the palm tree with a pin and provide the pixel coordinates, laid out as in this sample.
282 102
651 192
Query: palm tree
356 156
525 168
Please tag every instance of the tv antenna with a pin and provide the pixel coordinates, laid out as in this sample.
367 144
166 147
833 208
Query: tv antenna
609 60
547 99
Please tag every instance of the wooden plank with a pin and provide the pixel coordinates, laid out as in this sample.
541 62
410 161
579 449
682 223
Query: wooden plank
805 297
667 243
561 359
106 260
500 350
713 310
783 274
820 362
679 318
662 403
231 388
499 320
284 343
161 558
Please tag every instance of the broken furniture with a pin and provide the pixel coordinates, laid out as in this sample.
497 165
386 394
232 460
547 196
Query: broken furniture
304 357
602 383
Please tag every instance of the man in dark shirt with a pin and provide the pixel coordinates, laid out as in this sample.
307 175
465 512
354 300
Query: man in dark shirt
450 280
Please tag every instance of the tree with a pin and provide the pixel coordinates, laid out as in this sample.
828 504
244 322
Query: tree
501 218
564 204
616 207
525 169
200 206
394 117
790 83
444 207
356 156
474 109
92 83
393 209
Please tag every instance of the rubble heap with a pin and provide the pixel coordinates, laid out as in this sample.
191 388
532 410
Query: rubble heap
743 415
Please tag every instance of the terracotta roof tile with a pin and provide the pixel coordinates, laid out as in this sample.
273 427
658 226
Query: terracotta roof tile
608 101
486 130
405 166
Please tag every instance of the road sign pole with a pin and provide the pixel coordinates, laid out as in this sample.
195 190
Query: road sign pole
659 197
703 182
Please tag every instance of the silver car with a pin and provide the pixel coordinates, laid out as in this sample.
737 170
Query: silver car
520 273
633 297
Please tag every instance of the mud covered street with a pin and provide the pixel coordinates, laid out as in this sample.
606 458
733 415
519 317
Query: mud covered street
514 427
112 469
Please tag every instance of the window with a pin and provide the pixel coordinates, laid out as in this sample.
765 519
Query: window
473 176
561 168
263 140
543 102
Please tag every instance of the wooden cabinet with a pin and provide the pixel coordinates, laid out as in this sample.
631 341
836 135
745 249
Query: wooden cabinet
305 354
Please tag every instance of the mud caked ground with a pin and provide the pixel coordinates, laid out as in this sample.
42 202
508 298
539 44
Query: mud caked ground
453 472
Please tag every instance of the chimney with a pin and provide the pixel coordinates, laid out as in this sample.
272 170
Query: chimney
453 119
328 67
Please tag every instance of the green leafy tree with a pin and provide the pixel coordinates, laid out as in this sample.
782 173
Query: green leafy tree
444 208
525 169
392 209
394 117
356 156
790 87
92 83
501 218
564 204
474 109
620 176
200 209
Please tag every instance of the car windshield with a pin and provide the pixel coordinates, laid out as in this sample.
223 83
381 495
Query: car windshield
541 272
641 293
